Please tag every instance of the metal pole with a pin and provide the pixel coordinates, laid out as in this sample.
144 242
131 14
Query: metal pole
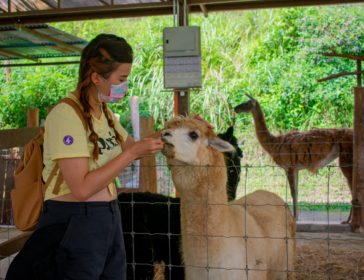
182 96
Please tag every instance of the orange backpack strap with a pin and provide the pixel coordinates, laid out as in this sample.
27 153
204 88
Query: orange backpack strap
53 173
57 185
79 112
77 109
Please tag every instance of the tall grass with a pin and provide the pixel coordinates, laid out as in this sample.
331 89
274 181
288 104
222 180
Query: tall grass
270 54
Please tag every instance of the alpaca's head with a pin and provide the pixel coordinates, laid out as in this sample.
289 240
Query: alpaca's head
246 106
189 141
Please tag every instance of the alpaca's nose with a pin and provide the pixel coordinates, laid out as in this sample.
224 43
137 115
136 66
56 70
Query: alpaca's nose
166 136
166 133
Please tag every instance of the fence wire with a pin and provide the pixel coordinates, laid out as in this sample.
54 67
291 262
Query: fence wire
152 230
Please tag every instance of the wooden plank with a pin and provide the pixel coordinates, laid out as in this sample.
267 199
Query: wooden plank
14 244
10 138
10 53
148 171
360 152
48 38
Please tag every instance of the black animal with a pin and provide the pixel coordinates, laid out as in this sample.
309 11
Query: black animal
232 162
151 224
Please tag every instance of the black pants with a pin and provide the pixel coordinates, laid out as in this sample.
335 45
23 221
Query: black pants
74 241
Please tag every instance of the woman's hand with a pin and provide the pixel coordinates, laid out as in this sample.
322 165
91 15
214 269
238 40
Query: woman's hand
145 147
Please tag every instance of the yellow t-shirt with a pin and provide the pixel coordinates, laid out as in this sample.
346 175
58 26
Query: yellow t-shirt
65 137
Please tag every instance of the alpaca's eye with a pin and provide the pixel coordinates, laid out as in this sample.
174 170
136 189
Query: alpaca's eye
193 135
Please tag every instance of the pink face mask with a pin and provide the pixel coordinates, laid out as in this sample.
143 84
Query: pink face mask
117 92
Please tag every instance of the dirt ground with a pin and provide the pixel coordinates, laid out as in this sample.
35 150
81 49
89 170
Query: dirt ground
338 256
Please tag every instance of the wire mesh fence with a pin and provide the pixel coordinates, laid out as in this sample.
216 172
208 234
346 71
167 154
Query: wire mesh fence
152 227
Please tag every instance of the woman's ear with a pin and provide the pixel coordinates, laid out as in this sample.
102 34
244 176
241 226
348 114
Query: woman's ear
96 78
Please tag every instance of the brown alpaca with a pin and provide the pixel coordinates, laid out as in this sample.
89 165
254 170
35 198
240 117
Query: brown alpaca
299 150
249 238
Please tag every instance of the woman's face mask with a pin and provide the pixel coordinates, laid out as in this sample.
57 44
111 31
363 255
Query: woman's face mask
117 92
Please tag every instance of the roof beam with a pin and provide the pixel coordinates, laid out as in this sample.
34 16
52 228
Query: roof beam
153 9
9 53
204 10
27 6
220 5
104 2
86 13
39 64
49 4
60 45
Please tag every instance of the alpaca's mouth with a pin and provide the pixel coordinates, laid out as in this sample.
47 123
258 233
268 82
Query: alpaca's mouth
168 150
167 143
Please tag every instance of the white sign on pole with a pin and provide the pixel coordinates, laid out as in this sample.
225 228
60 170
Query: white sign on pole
182 57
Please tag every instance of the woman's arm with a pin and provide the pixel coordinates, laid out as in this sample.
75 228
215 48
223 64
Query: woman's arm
128 143
84 183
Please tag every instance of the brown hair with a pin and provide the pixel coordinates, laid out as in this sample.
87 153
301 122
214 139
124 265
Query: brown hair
102 55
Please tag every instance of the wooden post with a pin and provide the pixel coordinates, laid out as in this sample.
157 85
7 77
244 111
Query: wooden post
181 102
148 171
358 161
33 117
357 192
181 106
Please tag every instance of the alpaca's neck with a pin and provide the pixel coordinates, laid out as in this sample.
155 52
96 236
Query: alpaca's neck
194 219
200 221
203 210
264 136
202 183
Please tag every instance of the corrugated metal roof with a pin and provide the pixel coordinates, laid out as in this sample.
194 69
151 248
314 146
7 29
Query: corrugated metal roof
37 41
28 11
34 40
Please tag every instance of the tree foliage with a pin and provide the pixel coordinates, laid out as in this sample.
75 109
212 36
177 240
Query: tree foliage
274 55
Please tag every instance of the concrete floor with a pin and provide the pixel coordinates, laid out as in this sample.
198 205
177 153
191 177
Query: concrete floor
6 233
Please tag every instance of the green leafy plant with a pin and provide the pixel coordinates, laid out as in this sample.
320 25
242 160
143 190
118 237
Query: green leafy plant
274 55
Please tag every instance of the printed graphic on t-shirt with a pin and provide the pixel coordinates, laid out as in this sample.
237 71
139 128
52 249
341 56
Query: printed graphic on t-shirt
68 140
108 143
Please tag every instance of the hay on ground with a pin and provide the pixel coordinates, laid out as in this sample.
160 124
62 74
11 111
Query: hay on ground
336 256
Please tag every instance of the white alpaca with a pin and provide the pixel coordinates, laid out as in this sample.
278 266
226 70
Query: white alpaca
250 238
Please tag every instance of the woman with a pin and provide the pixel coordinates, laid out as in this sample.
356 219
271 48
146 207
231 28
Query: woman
84 207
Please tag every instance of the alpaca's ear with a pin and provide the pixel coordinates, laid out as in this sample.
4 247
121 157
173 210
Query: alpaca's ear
230 132
220 145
